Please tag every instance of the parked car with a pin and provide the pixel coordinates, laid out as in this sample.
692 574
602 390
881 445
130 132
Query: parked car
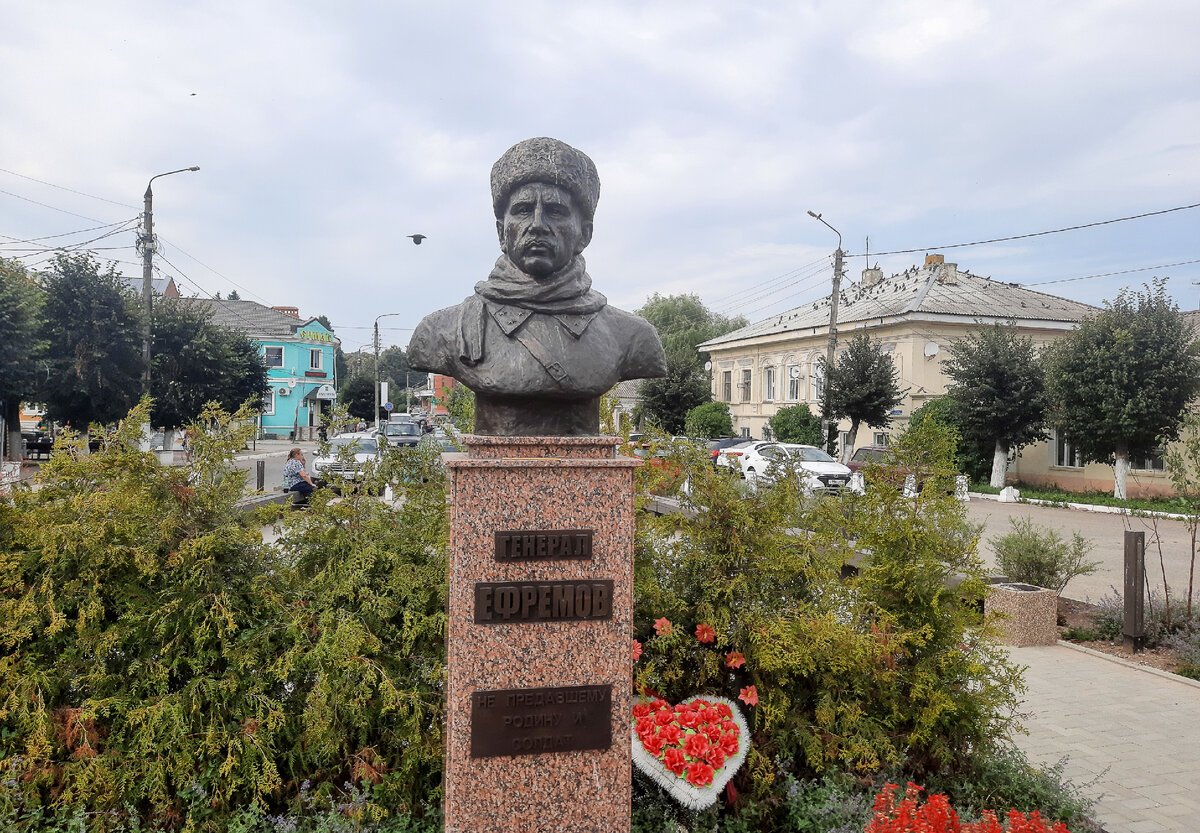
401 433
883 470
715 447
348 457
824 471
729 458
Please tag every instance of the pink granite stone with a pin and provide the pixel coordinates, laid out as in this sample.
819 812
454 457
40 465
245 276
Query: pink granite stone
1027 615
539 483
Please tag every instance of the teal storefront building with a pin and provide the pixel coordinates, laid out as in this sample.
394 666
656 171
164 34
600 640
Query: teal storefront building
299 356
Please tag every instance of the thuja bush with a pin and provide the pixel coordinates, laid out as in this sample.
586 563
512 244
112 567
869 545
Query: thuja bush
163 668
892 667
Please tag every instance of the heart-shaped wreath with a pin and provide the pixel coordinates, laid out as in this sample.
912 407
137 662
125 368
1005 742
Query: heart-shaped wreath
691 749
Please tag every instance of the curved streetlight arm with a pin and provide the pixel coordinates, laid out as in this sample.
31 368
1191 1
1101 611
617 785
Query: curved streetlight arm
147 242
818 217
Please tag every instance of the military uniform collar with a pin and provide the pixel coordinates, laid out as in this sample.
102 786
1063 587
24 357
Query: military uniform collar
509 318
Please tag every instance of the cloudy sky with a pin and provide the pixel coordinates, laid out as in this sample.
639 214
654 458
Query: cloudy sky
326 133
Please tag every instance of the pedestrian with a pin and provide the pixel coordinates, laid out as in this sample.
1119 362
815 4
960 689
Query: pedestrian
362 425
295 478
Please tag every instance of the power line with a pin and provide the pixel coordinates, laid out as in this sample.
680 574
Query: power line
65 233
218 274
1031 234
64 188
1110 274
52 208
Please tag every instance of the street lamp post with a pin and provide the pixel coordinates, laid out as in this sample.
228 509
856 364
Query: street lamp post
148 246
831 348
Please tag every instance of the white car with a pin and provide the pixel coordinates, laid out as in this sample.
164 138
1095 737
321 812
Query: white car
763 462
366 447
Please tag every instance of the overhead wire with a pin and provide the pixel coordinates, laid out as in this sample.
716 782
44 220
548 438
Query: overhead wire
64 188
51 207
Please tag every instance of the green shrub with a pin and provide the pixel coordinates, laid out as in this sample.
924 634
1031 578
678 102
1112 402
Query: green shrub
1005 778
1109 621
796 424
1038 555
156 655
709 420
888 669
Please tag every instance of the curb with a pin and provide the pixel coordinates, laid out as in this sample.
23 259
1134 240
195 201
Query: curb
1084 507
264 456
1136 666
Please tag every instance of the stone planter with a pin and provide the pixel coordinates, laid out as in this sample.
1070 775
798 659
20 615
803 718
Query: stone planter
1030 613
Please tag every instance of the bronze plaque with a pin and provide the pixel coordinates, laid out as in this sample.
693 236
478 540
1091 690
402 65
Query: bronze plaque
529 721
543 545
542 601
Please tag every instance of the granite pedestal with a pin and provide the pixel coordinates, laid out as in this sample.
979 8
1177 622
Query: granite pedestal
539 673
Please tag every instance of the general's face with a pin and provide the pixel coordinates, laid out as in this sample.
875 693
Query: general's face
542 229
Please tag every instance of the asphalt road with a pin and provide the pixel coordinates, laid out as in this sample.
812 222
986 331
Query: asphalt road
1165 539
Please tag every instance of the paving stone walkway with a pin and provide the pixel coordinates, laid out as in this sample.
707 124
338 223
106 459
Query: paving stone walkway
1135 732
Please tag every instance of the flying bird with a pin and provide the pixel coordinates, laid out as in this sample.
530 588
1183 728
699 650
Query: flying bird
417 238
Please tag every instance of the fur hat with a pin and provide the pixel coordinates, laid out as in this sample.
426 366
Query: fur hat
545 160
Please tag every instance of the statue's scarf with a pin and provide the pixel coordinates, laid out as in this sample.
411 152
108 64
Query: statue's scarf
566 292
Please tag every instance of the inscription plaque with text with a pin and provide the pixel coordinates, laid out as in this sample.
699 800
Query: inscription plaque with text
529 721
543 545
542 601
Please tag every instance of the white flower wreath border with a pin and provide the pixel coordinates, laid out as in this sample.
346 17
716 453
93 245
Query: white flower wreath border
689 795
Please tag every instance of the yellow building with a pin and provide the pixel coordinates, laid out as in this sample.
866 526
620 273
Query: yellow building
915 315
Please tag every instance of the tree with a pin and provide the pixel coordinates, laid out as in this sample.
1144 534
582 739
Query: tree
20 346
394 368
233 295
1118 384
999 387
974 458
796 424
196 362
709 420
358 395
92 325
863 387
682 322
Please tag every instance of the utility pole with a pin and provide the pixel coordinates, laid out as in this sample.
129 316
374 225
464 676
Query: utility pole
147 244
831 349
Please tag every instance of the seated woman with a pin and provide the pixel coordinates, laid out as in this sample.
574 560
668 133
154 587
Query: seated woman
295 478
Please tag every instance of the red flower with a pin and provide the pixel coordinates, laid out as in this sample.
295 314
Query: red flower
688 719
709 715
637 650
645 726
696 746
671 733
675 760
716 757
659 703
699 774
713 733
724 710
705 633
749 696
729 744
653 743
662 626
735 659
663 717
641 710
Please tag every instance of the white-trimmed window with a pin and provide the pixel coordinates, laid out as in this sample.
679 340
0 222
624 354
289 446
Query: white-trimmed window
769 384
747 376
880 438
314 358
746 432
268 402
727 386
793 377
273 356
816 379
1065 454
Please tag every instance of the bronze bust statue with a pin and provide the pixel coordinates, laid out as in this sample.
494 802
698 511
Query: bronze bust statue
536 343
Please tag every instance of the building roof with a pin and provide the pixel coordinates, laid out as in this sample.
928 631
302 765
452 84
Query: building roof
627 389
935 289
259 322
161 286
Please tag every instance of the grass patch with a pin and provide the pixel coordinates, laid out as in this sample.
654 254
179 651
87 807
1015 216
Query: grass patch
1059 496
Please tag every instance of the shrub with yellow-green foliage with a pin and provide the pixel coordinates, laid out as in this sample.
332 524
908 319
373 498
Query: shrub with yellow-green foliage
160 665
889 668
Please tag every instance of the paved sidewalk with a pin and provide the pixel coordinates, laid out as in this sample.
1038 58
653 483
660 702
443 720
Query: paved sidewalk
1135 730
